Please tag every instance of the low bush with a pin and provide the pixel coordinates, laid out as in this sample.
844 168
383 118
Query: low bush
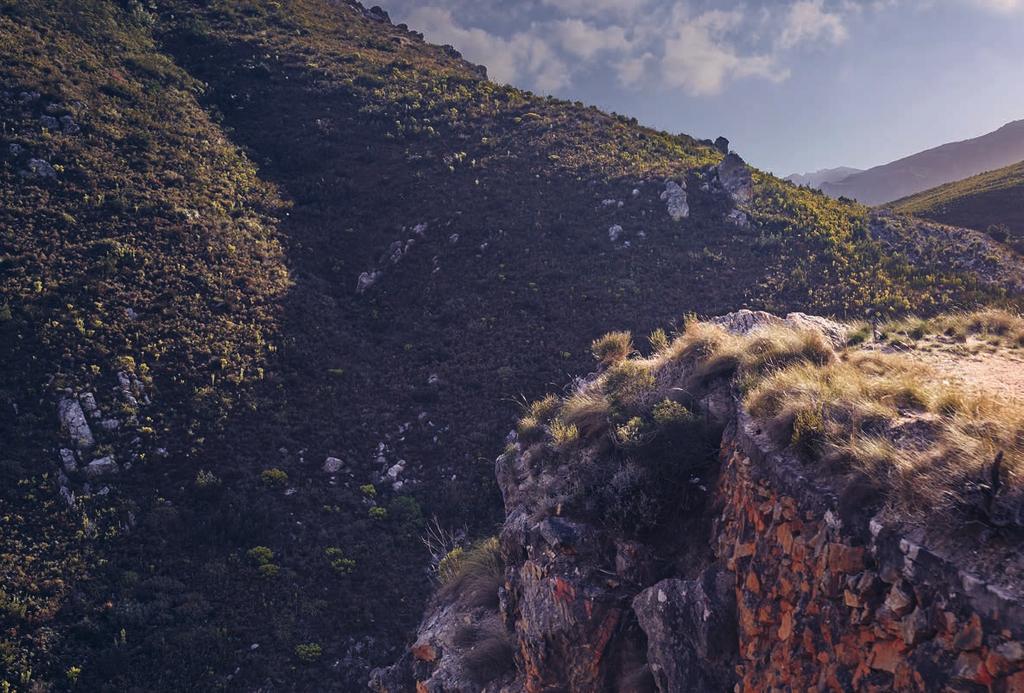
308 652
274 477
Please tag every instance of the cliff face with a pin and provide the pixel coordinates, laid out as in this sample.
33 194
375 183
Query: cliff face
767 573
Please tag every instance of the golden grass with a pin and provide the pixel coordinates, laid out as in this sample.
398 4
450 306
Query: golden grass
588 411
997 326
924 440
927 443
612 347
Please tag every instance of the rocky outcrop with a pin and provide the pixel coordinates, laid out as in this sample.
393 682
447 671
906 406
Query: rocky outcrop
735 177
776 575
745 321
691 630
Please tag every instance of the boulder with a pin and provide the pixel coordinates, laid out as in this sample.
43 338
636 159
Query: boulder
614 233
675 200
68 461
41 168
102 466
745 321
69 126
332 465
738 218
366 280
74 425
722 145
834 331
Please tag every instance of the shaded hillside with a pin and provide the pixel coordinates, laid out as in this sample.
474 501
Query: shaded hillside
293 269
934 167
992 199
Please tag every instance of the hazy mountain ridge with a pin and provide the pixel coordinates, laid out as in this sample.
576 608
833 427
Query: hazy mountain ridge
933 167
825 175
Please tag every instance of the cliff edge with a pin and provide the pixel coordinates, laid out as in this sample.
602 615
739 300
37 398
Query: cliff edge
761 503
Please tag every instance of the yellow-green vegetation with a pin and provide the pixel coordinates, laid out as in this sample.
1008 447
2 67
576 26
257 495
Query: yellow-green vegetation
274 477
308 652
537 416
563 433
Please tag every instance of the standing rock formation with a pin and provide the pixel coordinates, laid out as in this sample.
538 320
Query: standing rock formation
735 177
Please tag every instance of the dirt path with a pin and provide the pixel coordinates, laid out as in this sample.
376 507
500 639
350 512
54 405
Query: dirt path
997 370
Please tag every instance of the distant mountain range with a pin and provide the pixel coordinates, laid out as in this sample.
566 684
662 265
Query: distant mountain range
934 167
825 175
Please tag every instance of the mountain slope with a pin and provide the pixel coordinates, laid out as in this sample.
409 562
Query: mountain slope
934 167
991 199
325 260
822 176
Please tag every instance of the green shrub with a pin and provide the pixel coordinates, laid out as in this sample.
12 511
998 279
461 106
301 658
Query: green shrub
634 432
668 414
368 490
378 513
260 555
207 480
474 575
274 477
338 562
448 567
308 652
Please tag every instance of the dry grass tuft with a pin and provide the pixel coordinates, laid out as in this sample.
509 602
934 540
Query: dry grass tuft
588 411
998 326
612 347
476 575
488 650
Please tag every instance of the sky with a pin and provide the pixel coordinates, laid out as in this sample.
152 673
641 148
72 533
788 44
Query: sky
795 85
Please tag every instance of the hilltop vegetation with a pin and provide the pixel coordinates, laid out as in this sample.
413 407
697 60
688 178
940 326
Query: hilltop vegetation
191 193
992 201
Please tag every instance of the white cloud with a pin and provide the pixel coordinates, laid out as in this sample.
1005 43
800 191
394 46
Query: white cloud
1005 6
700 58
597 8
523 58
585 40
547 44
808 21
